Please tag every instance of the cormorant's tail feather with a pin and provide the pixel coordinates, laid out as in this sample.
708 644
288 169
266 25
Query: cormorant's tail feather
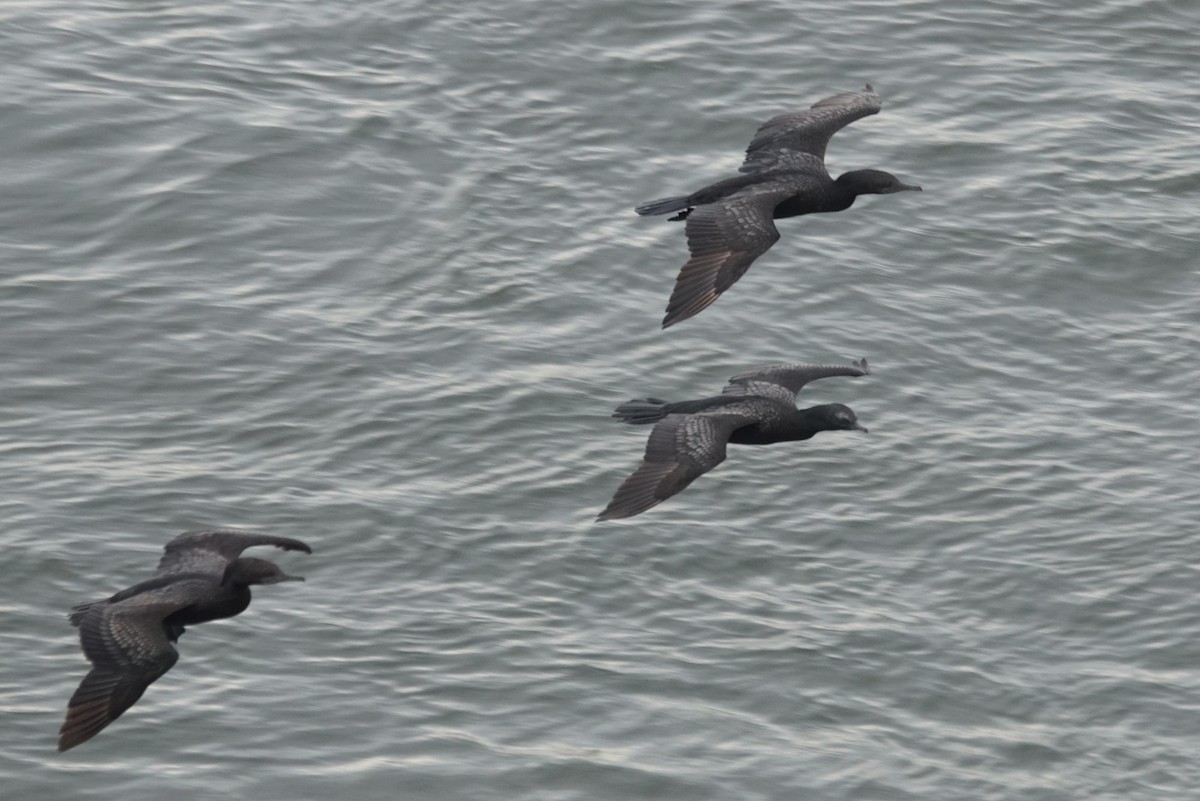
642 412
664 205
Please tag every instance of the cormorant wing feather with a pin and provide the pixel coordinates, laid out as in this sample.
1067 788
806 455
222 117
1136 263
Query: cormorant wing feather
211 550
680 449
129 650
724 238
782 381
809 131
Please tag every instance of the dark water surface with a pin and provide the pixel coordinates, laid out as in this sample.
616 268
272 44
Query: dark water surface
368 274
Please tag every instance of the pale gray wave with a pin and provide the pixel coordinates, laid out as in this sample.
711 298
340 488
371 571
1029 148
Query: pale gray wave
368 274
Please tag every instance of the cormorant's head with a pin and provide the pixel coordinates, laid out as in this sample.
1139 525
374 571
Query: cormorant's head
874 182
247 570
837 417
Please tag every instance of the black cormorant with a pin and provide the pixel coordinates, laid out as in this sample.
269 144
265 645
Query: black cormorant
757 407
731 223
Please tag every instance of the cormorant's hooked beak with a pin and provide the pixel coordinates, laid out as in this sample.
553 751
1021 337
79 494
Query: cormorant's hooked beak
899 187
860 427
286 577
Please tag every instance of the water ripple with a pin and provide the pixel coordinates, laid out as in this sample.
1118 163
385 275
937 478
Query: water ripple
368 274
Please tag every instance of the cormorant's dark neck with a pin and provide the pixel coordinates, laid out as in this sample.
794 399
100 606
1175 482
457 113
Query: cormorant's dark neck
802 425
778 422
833 196
225 601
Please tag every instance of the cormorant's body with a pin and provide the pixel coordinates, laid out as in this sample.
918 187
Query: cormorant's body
729 223
129 637
689 437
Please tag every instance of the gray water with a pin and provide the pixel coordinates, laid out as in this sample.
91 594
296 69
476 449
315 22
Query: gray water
368 274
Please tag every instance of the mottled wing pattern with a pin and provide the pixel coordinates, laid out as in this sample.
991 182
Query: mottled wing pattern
681 448
129 651
785 159
782 381
211 550
724 239
809 131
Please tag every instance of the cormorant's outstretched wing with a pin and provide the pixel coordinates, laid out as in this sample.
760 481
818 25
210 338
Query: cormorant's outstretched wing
782 381
724 239
681 448
809 131
129 650
211 550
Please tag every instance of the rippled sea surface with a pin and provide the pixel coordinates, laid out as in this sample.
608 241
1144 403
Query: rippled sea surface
367 274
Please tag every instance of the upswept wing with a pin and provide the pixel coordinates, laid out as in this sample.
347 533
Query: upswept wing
129 651
211 550
810 130
782 381
680 449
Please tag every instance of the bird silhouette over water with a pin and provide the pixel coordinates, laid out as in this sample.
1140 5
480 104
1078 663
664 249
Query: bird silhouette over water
731 223
129 637
757 407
